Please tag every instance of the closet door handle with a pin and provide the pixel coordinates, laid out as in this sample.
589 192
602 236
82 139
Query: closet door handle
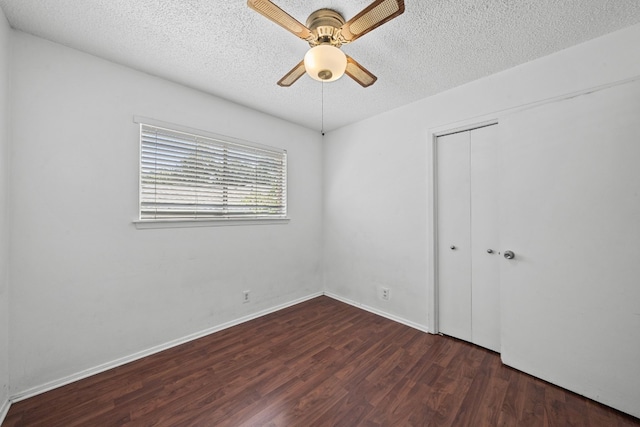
453 248
509 255
489 251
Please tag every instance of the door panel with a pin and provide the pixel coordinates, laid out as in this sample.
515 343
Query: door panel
454 267
485 267
570 210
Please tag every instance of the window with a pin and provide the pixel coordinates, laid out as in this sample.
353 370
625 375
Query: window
184 176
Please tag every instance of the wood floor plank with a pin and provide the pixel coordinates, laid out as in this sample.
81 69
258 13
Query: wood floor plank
319 363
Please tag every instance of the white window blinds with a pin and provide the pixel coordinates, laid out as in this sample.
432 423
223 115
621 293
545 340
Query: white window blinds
185 176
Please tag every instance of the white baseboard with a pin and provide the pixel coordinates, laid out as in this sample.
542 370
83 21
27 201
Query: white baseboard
141 354
4 410
398 319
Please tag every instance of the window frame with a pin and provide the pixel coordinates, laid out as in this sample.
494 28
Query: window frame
148 223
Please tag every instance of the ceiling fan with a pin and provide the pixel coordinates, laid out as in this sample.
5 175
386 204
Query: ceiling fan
326 31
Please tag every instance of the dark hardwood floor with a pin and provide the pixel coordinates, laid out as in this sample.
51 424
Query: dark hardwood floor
319 363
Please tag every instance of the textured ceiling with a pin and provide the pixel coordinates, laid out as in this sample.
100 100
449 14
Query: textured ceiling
228 50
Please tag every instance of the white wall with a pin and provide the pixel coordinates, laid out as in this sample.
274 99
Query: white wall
378 173
4 237
87 286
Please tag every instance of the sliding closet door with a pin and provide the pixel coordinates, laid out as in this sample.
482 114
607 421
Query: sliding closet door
454 238
485 237
468 270
571 213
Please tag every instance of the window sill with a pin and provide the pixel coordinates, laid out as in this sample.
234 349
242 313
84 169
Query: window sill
187 223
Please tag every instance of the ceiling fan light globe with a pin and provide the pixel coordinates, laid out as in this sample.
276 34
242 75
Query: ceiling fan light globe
325 63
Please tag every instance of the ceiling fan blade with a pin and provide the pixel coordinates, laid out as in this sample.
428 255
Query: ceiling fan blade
358 73
293 75
270 11
374 15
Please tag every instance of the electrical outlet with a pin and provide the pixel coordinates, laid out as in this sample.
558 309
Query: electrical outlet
245 296
386 294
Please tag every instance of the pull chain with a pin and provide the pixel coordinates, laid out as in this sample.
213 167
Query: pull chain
322 107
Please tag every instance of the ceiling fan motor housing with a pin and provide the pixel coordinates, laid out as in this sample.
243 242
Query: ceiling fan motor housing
325 24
